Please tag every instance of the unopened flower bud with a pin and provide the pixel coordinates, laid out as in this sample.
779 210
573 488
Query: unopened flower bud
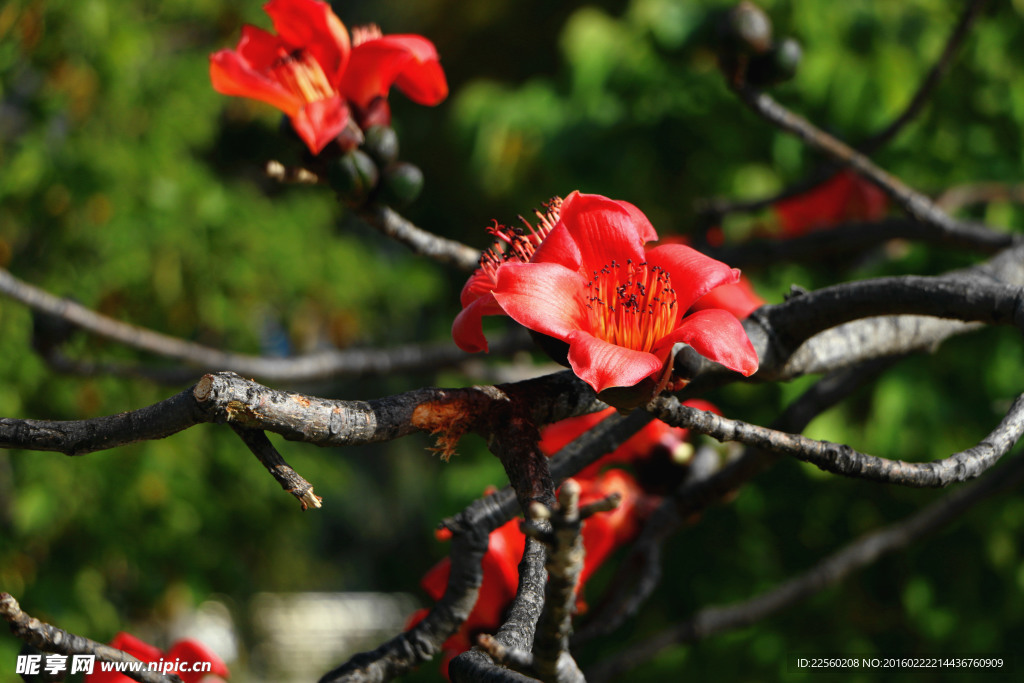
353 176
401 184
750 28
382 144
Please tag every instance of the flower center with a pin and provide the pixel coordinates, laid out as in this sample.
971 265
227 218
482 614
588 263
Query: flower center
631 305
299 71
520 242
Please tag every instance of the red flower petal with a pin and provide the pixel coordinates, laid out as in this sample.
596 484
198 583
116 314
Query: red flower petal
604 230
467 330
717 335
738 298
233 75
422 80
313 25
603 365
320 122
409 61
693 274
545 297
479 284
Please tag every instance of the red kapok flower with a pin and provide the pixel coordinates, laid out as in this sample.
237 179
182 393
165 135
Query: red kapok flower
311 70
619 306
602 534
184 653
846 196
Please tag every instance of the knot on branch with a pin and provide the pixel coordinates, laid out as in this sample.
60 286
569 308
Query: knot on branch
454 414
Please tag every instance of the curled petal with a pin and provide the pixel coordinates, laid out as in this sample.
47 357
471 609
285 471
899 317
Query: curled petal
479 284
321 121
603 365
693 274
467 330
312 25
544 297
231 74
409 61
716 335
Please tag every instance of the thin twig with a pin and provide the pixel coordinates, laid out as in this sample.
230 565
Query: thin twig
931 80
844 460
715 209
290 480
913 202
440 249
313 366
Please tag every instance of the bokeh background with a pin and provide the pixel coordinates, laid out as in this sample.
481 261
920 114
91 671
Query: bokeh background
128 183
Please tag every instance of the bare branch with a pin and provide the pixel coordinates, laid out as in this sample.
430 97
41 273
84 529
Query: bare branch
844 460
928 85
470 534
715 209
49 638
854 237
913 202
440 249
289 479
314 366
77 437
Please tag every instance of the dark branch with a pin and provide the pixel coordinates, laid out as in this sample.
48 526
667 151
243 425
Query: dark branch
289 479
913 202
844 460
928 85
440 249
314 366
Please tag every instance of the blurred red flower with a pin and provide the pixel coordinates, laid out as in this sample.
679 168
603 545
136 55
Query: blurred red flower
313 72
844 197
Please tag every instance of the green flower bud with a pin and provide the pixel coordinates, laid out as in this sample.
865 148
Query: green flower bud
382 144
353 177
401 184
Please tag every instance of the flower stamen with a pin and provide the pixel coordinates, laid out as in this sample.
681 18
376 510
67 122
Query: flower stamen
632 305
299 71
517 243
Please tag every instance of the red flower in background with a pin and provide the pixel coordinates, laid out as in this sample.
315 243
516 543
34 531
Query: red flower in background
313 72
602 534
619 306
187 651
739 298
844 197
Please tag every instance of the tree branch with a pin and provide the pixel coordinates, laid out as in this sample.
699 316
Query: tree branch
314 366
844 460
440 249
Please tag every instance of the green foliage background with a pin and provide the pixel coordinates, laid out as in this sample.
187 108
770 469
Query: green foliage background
126 182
